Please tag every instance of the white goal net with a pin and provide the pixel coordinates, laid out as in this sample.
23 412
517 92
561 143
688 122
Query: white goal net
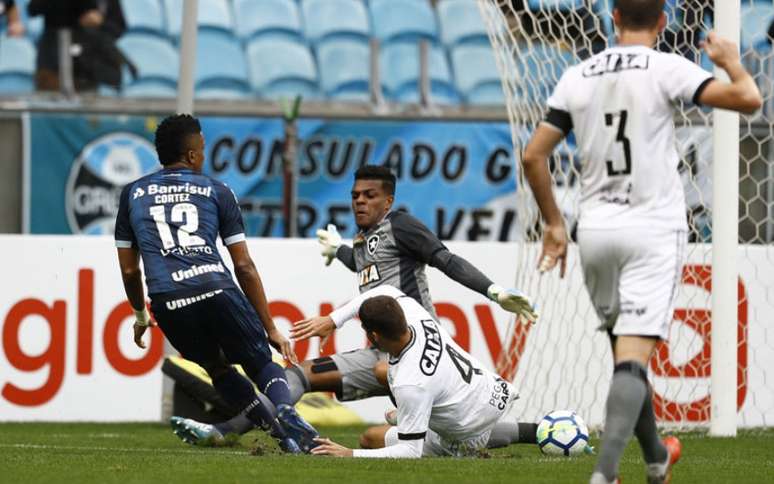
562 362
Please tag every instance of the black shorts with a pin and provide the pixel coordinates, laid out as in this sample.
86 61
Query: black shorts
217 323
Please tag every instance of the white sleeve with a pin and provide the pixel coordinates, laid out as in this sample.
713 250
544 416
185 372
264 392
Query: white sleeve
559 99
683 80
348 311
414 407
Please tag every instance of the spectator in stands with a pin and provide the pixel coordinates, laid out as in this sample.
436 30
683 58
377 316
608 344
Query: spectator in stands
15 27
95 27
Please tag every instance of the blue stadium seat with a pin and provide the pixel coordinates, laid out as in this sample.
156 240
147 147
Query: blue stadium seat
325 19
222 93
399 63
399 20
461 22
344 69
476 73
156 59
561 5
17 65
755 20
281 66
212 14
220 63
279 18
150 89
143 16
17 55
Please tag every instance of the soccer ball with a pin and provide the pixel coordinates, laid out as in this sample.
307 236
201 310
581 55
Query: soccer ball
562 432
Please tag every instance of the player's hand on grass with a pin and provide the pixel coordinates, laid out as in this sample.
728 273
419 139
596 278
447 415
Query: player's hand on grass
721 51
513 301
142 321
330 240
282 344
322 326
329 447
554 249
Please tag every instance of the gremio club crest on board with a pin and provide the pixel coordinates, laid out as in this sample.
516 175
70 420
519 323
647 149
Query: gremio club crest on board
97 176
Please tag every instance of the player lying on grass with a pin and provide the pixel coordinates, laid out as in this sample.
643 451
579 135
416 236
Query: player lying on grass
632 230
172 218
447 403
391 247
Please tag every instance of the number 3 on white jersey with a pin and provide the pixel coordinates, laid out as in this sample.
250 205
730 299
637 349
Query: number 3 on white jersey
186 236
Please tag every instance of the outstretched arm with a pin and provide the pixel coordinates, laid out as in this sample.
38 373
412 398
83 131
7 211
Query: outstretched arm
324 326
414 407
413 238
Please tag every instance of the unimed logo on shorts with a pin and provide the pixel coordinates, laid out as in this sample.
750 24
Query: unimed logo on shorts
97 176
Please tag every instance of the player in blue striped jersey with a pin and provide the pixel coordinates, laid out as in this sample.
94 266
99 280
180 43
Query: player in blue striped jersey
172 219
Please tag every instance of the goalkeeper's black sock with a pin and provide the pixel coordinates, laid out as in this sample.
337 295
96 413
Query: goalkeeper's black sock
507 433
298 383
653 450
624 405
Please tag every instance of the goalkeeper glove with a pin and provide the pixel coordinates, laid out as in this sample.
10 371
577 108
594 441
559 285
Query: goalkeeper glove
513 301
330 240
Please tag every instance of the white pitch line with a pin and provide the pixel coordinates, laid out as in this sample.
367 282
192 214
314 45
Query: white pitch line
126 449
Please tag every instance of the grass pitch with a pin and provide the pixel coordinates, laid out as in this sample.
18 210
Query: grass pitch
142 453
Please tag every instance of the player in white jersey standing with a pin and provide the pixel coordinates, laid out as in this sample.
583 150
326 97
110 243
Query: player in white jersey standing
447 402
632 229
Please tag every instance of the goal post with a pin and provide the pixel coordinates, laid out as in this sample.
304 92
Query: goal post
725 234
562 362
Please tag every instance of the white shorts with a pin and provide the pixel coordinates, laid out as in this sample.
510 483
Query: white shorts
437 446
632 276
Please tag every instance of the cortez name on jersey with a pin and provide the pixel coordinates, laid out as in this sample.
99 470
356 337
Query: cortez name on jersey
173 217
620 103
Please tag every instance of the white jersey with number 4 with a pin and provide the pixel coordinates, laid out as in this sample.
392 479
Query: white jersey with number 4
621 104
439 388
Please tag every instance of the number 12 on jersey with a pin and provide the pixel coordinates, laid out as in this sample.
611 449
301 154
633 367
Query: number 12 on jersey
182 213
610 119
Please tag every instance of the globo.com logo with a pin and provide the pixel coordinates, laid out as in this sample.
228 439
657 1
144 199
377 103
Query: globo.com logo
97 176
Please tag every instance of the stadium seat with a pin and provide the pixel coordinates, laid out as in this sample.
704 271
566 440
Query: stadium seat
156 59
17 65
756 18
150 89
344 69
220 63
400 74
211 14
222 93
143 16
281 66
562 5
325 19
476 73
461 22
280 18
400 20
